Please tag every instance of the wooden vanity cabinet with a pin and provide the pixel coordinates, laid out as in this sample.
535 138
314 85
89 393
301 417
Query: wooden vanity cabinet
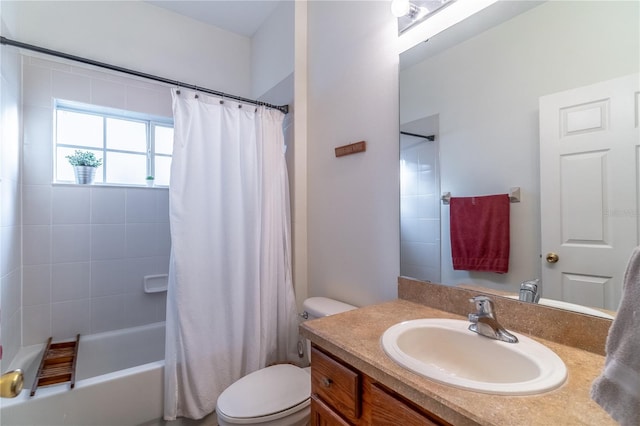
344 396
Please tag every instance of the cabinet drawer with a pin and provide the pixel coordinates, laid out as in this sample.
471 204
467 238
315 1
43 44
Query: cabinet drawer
336 384
322 415
387 410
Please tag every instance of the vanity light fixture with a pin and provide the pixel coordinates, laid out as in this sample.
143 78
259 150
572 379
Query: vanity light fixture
400 8
435 21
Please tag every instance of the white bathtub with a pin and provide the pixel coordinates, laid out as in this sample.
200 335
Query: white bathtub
119 382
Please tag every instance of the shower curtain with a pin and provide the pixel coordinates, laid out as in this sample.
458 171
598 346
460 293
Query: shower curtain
230 304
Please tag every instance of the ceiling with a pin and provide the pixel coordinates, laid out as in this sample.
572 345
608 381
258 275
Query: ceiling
245 17
242 17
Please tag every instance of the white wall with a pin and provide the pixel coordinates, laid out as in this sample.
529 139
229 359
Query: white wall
353 214
272 50
139 36
486 93
10 201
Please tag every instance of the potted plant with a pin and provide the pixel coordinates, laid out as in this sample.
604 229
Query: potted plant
149 180
84 165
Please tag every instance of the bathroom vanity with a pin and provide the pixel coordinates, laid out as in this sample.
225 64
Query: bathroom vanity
340 391
355 383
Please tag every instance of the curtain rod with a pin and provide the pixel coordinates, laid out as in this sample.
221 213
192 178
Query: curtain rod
4 40
430 137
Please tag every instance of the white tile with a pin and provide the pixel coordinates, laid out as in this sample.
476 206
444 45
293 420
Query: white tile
37 125
141 205
36 285
136 269
408 207
10 62
38 167
12 335
70 243
36 201
149 101
11 249
141 240
107 205
141 308
428 206
70 281
107 313
70 318
36 83
58 64
107 277
408 228
163 236
70 205
10 125
10 294
37 324
37 244
11 205
107 242
162 205
108 93
71 86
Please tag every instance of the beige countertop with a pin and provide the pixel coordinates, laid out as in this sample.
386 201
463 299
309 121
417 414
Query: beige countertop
354 336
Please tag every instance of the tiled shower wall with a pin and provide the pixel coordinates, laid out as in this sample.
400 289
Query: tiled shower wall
420 210
10 206
86 249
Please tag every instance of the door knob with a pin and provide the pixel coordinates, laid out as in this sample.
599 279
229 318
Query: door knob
552 257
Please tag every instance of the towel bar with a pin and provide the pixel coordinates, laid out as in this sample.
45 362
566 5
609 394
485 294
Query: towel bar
514 195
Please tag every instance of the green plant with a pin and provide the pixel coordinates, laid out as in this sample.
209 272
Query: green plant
149 178
84 158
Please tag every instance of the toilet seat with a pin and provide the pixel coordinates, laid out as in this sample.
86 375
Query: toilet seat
267 394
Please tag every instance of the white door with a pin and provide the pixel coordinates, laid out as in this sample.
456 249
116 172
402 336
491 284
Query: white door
589 183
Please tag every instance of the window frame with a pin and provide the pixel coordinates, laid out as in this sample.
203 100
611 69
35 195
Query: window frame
151 122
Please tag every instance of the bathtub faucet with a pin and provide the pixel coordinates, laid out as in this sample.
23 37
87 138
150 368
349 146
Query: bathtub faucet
530 291
11 384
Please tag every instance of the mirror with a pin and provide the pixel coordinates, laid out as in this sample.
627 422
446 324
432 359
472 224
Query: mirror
476 88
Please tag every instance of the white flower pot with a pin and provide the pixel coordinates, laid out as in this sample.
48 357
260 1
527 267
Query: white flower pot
84 174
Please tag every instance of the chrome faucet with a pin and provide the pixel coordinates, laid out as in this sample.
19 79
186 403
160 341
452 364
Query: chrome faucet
484 321
530 291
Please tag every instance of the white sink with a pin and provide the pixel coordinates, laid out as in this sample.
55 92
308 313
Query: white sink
570 307
445 350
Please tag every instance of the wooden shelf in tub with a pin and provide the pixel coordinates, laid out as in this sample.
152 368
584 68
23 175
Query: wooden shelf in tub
58 364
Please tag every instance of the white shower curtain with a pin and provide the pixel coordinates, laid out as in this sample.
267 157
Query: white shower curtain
230 304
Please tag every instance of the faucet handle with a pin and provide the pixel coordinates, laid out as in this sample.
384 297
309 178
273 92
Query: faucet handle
483 304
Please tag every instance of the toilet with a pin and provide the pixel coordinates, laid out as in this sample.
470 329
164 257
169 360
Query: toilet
278 395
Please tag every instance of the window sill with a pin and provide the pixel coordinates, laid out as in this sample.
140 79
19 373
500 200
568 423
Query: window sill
109 185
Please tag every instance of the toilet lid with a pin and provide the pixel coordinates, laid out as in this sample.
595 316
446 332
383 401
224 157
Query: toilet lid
266 391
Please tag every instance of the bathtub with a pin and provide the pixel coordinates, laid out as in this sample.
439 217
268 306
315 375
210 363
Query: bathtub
119 381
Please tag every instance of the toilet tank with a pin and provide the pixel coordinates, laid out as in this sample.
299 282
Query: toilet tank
318 307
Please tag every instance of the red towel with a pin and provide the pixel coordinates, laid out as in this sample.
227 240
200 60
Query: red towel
480 233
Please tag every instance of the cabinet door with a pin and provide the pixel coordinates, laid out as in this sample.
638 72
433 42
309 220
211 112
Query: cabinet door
322 415
336 384
390 411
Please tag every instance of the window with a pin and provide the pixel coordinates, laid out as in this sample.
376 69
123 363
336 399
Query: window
131 145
